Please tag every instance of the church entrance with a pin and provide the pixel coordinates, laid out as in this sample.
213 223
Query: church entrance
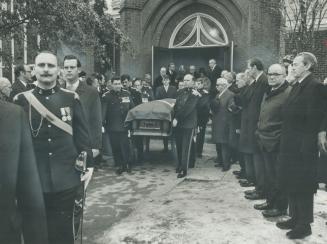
194 41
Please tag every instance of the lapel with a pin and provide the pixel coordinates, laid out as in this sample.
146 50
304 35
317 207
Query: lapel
81 88
296 90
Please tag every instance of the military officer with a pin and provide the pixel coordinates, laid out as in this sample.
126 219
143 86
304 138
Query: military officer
115 106
60 134
185 122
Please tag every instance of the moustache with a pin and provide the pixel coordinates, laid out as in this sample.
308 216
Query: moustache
46 75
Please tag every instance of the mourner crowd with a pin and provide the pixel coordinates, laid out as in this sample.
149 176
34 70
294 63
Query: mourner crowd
272 123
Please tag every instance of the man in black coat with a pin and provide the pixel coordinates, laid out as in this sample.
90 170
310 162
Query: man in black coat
213 73
60 134
115 106
89 98
21 203
185 121
159 79
171 72
23 80
248 142
268 134
203 111
302 118
166 90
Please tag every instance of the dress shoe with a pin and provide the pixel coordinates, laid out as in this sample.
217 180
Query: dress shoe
225 169
247 184
119 171
236 172
240 177
247 192
270 213
286 225
254 196
243 181
262 206
218 165
299 232
181 174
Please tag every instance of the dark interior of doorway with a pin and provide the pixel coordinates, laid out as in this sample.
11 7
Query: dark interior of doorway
190 56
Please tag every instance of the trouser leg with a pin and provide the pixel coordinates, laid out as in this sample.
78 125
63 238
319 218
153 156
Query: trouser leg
226 154
178 137
200 140
115 146
59 210
124 144
301 208
259 170
249 167
165 142
219 154
187 139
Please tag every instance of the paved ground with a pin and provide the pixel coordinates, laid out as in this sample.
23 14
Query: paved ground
153 206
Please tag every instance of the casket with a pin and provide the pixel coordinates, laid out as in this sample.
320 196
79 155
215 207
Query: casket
151 119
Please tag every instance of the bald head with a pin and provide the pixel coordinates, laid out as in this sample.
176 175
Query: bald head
189 80
5 86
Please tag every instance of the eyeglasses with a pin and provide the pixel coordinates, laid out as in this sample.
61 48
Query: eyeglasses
274 74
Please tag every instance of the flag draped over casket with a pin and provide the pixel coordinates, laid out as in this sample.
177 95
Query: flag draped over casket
154 110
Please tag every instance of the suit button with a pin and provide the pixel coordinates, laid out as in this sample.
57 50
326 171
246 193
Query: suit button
49 126
50 154
47 98
49 140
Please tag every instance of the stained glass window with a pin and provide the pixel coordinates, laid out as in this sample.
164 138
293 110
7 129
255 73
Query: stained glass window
198 30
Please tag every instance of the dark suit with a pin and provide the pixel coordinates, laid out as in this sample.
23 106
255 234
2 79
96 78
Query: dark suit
172 76
161 93
185 112
268 133
203 111
17 87
222 124
297 175
251 102
213 75
56 152
157 83
21 201
91 104
115 106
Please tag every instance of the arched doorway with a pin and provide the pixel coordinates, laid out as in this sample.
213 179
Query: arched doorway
195 40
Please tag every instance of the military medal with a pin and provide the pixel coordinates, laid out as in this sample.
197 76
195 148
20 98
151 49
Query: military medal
68 113
63 114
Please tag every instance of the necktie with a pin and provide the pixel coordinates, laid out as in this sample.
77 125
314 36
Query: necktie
30 86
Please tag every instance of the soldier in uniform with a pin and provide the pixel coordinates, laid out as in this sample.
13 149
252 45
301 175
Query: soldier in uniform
60 134
115 106
185 122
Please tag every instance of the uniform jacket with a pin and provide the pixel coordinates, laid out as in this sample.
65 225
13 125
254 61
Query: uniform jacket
148 92
21 201
203 108
270 118
115 106
222 118
302 116
91 103
162 94
56 151
251 102
185 109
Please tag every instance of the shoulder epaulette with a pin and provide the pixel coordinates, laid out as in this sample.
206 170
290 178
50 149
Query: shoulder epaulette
76 96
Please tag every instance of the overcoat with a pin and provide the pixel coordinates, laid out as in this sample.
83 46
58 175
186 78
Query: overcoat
21 202
251 102
222 118
161 93
302 119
